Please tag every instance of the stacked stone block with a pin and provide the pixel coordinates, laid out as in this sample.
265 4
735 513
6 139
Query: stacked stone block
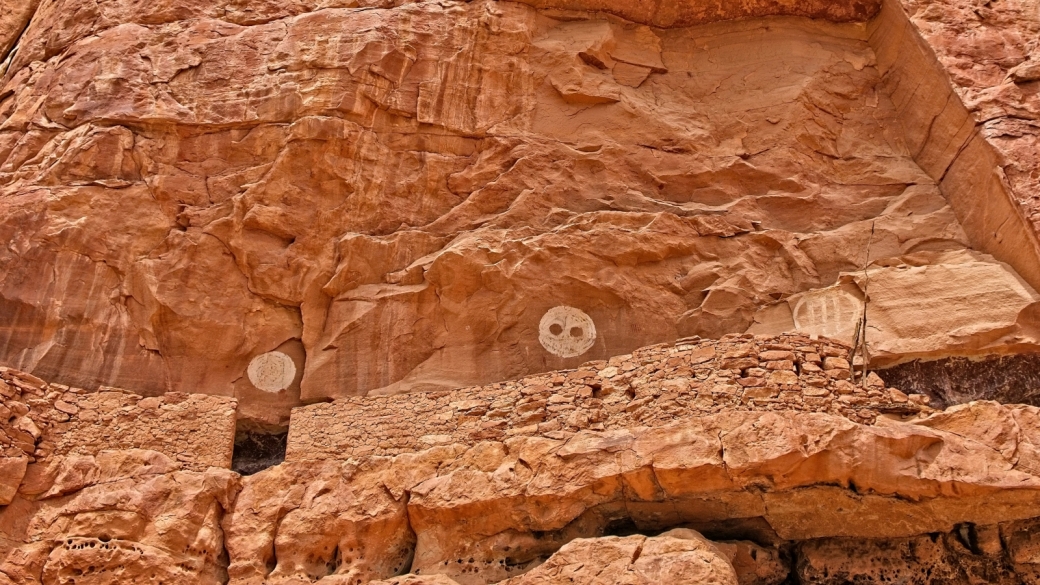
654 386
39 420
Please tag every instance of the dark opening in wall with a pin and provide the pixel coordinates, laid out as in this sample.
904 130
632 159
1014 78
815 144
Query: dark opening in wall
1008 379
755 529
256 451
621 527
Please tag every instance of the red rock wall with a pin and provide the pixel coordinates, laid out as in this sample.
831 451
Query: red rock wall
684 13
990 54
497 509
13 22
110 487
953 93
39 421
775 489
118 517
192 186
233 208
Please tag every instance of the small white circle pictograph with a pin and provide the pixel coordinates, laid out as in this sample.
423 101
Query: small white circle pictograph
272 372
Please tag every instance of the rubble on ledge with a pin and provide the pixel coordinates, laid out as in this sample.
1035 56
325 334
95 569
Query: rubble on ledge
651 387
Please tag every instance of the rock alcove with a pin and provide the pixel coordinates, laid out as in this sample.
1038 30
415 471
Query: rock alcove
529 292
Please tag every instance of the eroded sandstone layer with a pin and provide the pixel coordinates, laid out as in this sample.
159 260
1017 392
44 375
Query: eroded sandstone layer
393 196
764 495
990 53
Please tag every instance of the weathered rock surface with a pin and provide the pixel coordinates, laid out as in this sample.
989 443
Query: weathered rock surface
123 516
1011 378
459 222
932 306
952 493
110 487
678 556
13 20
39 420
991 55
970 554
489 512
949 140
650 388
690 12
394 196
411 579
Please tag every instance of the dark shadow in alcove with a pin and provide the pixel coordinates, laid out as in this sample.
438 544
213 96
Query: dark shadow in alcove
1010 379
256 451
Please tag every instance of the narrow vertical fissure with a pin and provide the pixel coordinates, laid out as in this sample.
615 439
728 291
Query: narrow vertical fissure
7 58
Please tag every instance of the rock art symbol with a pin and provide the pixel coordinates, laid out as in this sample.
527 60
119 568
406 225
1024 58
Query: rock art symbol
271 372
566 331
830 312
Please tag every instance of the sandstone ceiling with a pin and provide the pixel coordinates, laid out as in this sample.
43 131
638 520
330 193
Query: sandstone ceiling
395 194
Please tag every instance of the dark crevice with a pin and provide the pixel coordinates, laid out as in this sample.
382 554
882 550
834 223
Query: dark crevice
968 537
1010 379
621 527
7 59
755 529
256 451
926 559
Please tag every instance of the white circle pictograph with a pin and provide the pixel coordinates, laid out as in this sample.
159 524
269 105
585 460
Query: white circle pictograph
271 372
566 332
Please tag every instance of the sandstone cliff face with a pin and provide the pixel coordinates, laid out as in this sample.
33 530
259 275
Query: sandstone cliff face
648 388
990 54
678 556
395 196
535 291
110 487
135 517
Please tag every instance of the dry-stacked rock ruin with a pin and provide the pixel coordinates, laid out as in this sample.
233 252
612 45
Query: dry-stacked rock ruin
519 291
654 386
760 491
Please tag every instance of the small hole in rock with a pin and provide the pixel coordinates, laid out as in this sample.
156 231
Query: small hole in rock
257 450
620 527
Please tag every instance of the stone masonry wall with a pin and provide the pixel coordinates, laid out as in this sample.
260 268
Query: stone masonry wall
39 420
651 387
